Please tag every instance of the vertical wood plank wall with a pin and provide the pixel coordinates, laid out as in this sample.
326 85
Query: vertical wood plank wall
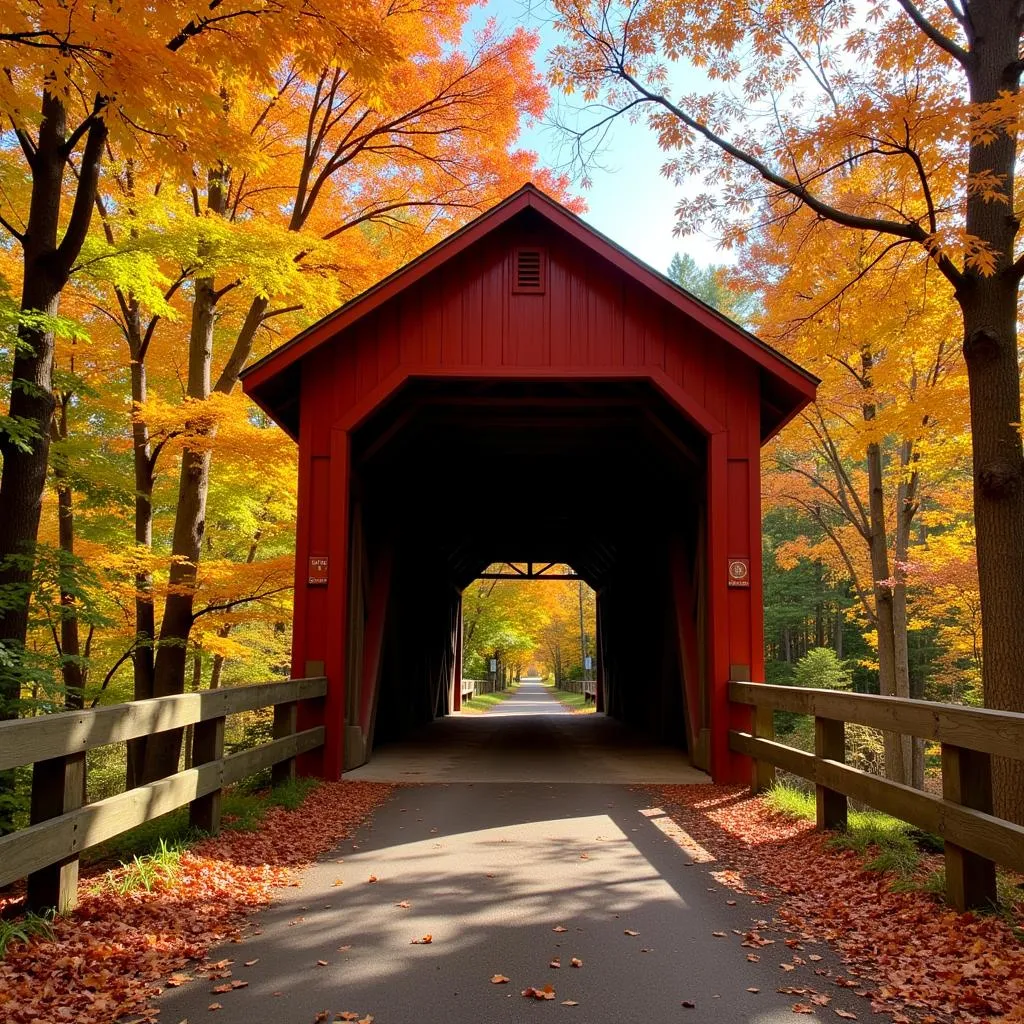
592 322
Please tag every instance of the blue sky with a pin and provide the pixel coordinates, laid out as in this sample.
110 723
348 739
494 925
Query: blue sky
628 199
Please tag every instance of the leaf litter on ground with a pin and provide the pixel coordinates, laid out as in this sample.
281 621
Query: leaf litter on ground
114 953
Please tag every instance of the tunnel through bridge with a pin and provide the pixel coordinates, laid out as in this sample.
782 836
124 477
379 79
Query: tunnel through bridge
527 350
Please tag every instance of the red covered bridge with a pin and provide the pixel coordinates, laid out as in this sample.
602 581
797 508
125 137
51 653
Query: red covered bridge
527 348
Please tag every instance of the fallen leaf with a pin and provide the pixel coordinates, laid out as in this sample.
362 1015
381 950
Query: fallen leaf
559 928
719 935
576 962
814 956
177 979
753 990
629 931
321 963
215 1006
689 1004
252 963
321 1015
787 967
802 1008
339 881
221 989
547 992
344 949
499 979
569 1002
347 1015
753 958
846 1015
584 856
425 940
238 983
555 962
372 878
405 905
730 903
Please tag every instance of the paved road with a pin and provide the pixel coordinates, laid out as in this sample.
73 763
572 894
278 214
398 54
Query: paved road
529 737
489 870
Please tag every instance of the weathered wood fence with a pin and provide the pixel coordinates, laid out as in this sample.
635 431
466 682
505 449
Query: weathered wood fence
468 688
975 840
590 689
46 853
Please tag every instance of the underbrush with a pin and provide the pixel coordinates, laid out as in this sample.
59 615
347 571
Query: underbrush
894 847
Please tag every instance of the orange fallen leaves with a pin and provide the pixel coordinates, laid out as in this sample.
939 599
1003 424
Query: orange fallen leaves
629 931
904 949
499 979
559 928
424 940
108 956
576 962
547 992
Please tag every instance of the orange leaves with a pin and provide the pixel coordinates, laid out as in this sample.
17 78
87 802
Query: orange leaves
576 962
547 992
424 940
957 967
499 979
108 968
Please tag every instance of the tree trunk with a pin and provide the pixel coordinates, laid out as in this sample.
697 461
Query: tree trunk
46 267
145 617
989 306
163 750
71 666
897 748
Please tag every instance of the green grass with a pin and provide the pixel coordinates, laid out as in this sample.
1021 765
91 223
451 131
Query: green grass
573 701
891 845
484 701
886 843
24 929
146 871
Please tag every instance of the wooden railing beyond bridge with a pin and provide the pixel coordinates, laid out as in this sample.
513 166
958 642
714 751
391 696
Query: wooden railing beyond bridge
46 853
975 840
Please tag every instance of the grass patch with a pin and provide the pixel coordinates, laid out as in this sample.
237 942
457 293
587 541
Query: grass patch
24 930
885 843
576 702
483 701
146 871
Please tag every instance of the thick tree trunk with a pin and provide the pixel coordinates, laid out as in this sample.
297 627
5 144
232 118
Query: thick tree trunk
989 306
46 267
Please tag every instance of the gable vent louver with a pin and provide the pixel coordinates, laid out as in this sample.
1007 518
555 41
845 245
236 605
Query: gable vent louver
528 273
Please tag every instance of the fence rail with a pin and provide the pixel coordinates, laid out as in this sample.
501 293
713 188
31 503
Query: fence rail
468 688
590 689
975 840
55 745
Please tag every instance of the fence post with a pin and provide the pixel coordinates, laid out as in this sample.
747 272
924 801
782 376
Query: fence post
207 745
58 785
967 780
285 719
830 743
763 772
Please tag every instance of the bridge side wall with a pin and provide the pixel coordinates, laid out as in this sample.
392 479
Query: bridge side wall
592 322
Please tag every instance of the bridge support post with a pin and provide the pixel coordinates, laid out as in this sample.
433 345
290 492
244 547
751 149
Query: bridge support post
286 717
830 743
967 780
58 786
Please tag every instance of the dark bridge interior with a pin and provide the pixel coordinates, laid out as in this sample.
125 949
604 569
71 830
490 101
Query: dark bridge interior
617 478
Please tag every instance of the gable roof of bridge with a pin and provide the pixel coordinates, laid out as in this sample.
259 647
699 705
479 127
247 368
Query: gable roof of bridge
259 378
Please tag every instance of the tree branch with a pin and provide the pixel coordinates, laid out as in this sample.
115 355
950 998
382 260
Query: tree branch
943 42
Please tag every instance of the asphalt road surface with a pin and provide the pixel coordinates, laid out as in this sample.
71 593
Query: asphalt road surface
490 870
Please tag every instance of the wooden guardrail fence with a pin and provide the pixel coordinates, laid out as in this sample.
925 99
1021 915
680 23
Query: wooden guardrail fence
55 745
975 840
590 689
468 688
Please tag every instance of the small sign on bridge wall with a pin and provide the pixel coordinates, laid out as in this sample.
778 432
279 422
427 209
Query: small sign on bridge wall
317 570
739 572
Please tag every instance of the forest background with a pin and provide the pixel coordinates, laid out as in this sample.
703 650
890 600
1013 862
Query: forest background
181 192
